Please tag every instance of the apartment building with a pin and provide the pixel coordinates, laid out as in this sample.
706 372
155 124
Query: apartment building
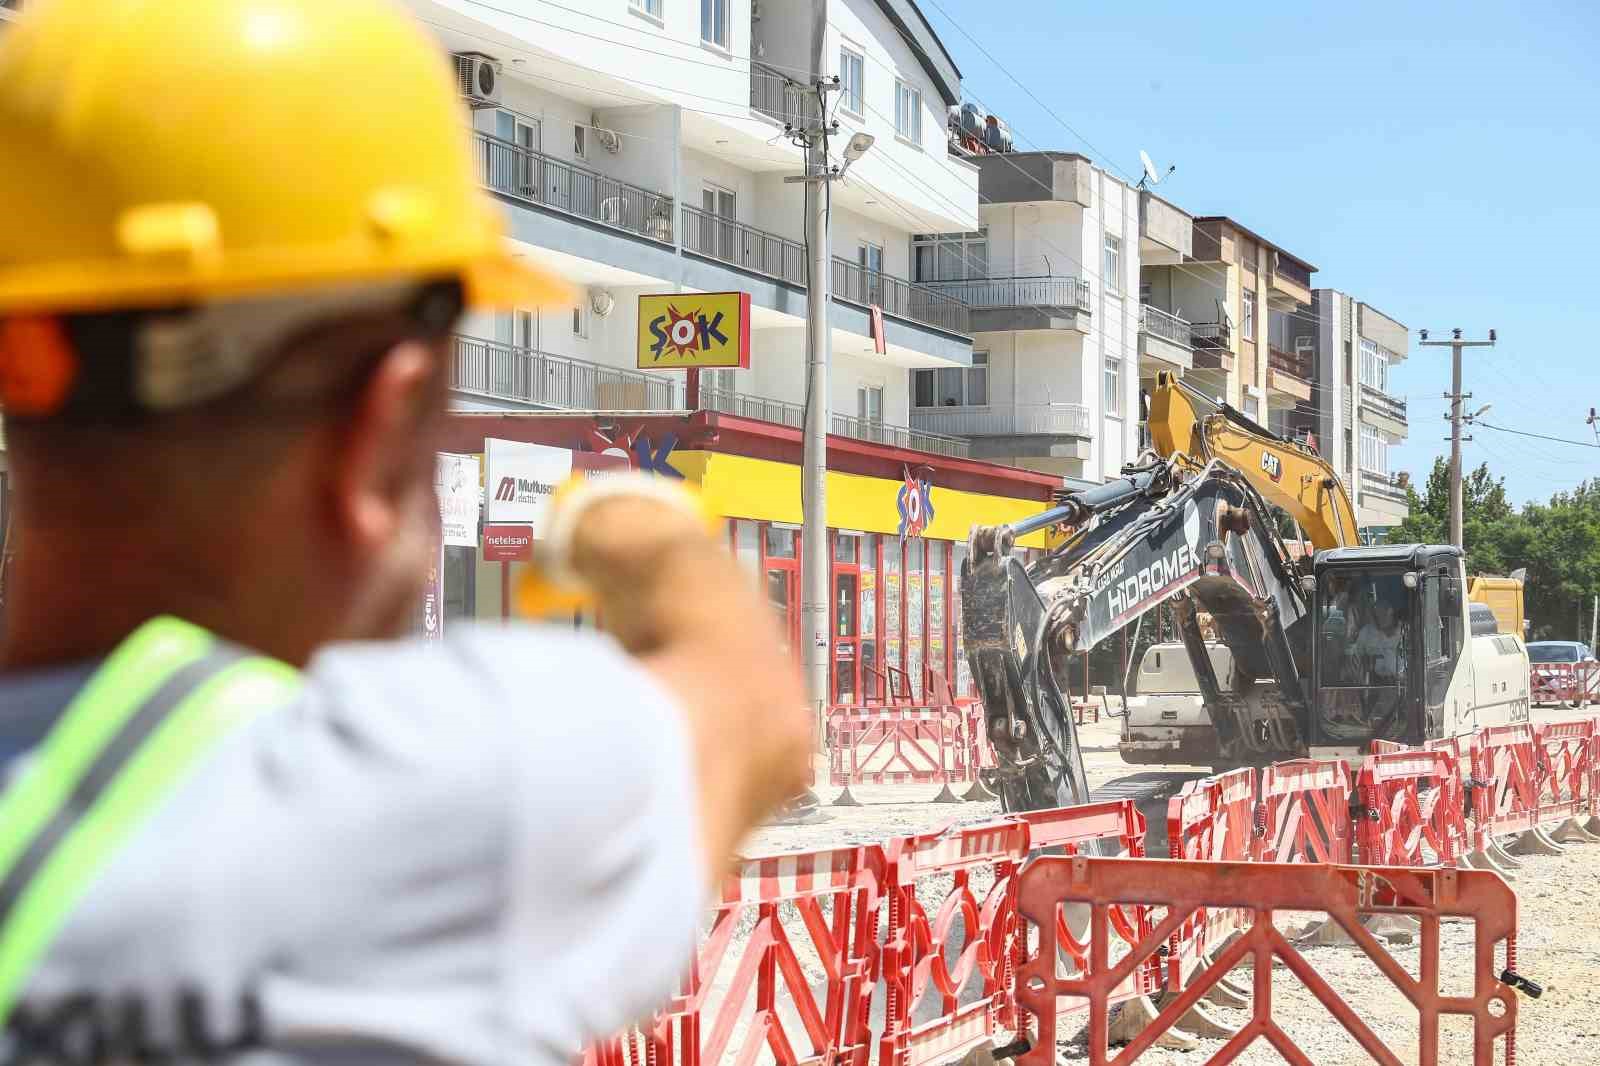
1060 338
1356 418
1248 305
639 147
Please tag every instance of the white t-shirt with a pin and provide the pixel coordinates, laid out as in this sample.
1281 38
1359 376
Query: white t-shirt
482 851
1382 649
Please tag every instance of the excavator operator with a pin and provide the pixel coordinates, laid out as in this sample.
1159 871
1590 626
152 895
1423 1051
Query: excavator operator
240 818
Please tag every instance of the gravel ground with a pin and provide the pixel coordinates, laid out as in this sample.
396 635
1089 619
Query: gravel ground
1558 940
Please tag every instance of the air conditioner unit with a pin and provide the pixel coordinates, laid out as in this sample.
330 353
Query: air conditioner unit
610 140
478 78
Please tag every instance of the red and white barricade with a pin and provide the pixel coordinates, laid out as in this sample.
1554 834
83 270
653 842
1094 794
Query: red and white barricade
1571 683
1212 819
1412 801
1304 812
1565 754
897 745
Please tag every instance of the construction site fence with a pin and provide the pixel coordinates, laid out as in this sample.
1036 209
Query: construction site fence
901 953
1572 684
878 744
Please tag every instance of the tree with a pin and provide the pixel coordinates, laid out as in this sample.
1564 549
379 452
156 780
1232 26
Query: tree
1488 521
1560 546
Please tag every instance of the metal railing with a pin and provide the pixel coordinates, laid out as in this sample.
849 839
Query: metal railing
776 96
995 420
1291 363
734 242
1287 268
1066 292
785 413
1382 484
1209 335
1371 396
855 284
1164 324
524 174
504 371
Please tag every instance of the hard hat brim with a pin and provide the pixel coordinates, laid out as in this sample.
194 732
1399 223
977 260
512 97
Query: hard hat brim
500 281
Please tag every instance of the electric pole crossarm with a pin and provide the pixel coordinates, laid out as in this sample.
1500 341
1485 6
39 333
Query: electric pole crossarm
1457 418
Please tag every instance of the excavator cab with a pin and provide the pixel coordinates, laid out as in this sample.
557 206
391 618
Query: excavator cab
1386 642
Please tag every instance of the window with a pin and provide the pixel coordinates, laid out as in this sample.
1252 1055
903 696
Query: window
714 22
718 235
1111 276
648 7
580 321
950 256
1374 451
851 81
908 112
580 140
1113 377
1374 365
869 404
953 386
1248 330
870 258
1252 408
780 543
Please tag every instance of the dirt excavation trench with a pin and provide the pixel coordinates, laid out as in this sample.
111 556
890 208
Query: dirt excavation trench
1558 944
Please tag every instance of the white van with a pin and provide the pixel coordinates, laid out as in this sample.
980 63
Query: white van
1166 723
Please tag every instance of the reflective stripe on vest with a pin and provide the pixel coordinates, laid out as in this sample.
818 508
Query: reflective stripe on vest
158 703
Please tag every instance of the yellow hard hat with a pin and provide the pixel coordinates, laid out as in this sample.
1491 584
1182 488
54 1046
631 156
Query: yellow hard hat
161 152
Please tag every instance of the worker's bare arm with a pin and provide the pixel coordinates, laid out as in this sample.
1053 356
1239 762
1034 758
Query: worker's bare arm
675 598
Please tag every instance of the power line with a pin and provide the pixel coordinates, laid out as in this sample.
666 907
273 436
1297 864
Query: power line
1524 433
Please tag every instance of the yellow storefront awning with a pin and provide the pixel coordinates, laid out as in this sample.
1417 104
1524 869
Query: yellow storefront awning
740 487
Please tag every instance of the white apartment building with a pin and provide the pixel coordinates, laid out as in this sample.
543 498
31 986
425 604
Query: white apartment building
1356 418
638 147
1060 337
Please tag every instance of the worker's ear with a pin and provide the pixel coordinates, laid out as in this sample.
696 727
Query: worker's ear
385 463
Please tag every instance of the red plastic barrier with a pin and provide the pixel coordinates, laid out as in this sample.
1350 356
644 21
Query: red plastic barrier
1304 813
1565 786
1212 819
1346 893
897 745
1411 799
1571 683
1505 781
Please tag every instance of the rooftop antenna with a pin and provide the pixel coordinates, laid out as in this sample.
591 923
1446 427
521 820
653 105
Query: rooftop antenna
1151 175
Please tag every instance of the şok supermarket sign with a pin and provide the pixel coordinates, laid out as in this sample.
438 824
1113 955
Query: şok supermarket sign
694 329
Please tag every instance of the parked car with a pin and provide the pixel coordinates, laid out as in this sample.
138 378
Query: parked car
1564 671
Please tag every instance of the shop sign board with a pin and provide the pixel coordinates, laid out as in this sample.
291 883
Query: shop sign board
459 488
694 329
521 480
507 542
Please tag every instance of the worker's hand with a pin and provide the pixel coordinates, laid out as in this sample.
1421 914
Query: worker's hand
671 592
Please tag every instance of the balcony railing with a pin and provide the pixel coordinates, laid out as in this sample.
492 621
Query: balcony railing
1067 292
504 371
776 96
1210 335
734 242
536 178
1165 324
1292 363
842 425
1287 268
1381 484
996 420
856 284
1374 397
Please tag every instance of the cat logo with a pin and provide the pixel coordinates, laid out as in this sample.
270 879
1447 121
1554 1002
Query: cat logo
1272 465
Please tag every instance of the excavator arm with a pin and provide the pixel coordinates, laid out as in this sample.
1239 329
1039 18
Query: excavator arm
1204 540
1287 474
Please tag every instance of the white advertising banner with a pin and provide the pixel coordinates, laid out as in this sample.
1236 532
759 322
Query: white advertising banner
455 478
521 480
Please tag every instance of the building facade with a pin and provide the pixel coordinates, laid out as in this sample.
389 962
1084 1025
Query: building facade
1051 280
639 147
1357 418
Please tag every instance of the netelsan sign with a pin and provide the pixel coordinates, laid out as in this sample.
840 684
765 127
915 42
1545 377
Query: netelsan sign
507 543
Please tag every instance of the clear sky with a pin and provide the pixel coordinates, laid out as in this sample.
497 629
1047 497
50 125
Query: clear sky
1438 161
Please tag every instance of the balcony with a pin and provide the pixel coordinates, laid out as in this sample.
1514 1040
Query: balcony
1386 486
1213 345
1288 283
744 246
842 425
1013 303
776 96
1165 339
1288 376
1385 412
525 375
531 177
1004 432
855 284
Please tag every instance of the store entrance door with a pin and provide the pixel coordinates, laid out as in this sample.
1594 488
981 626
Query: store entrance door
783 596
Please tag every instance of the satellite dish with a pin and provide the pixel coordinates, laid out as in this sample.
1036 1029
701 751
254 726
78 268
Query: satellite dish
1150 174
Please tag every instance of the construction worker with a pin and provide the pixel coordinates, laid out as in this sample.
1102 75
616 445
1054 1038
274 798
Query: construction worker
236 237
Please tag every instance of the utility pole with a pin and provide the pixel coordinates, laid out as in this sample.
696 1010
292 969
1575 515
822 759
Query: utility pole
1457 418
815 560
1594 423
